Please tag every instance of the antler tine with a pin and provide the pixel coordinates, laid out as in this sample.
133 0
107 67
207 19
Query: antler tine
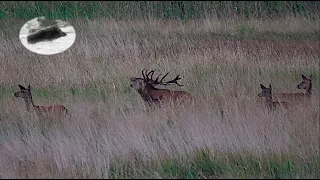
174 81
147 79
148 74
151 72
159 82
164 77
156 80
144 77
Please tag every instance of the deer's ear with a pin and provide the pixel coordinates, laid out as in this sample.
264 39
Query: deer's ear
303 77
262 86
21 87
270 86
310 76
29 87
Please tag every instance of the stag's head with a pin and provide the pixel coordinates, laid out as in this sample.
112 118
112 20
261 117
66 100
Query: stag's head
137 83
140 84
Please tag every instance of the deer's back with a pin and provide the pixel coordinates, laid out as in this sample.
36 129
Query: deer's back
56 110
293 98
167 95
182 95
277 104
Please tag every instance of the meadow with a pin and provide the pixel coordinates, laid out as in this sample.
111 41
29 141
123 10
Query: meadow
227 133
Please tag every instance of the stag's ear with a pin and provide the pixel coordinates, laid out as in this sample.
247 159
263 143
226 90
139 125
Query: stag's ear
303 77
262 86
310 76
29 87
270 86
21 87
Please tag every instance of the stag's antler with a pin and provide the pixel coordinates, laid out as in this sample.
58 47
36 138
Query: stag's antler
175 80
150 80
142 72
146 74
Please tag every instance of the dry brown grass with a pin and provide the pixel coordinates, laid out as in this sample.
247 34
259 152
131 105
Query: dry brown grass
223 75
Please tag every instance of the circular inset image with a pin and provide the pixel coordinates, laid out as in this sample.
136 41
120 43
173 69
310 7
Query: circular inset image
47 37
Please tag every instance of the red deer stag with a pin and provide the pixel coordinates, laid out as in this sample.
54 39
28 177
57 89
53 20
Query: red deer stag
41 111
154 96
267 93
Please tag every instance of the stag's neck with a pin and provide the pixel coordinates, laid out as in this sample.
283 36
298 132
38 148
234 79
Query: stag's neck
146 95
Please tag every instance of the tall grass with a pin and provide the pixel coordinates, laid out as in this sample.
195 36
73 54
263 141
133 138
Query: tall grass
228 133
182 10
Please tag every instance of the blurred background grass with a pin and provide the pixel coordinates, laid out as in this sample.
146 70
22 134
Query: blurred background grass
182 10
222 49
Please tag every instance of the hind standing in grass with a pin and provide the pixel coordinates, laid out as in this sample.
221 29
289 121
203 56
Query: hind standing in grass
41 111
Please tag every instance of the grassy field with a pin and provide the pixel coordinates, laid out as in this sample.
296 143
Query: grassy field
182 10
228 133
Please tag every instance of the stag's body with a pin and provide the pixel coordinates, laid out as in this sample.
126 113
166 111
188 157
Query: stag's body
41 111
154 96
267 93
297 97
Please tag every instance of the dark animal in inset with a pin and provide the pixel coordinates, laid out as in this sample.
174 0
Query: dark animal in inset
47 34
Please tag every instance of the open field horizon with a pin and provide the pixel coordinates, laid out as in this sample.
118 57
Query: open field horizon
228 133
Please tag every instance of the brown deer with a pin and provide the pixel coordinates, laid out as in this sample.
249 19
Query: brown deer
305 84
297 98
41 111
267 93
154 96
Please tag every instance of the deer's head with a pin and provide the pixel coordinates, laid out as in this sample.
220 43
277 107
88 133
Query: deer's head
306 82
266 92
24 93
